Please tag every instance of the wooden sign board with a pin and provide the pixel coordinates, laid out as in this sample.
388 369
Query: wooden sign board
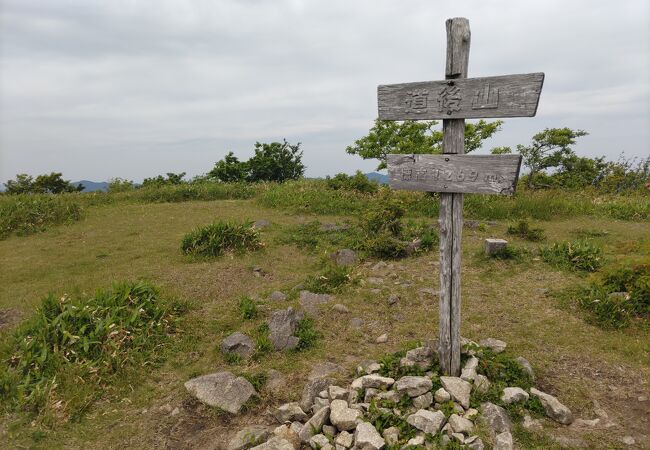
466 174
467 98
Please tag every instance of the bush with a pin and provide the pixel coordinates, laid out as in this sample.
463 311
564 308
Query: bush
576 255
26 213
357 182
221 237
120 185
92 339
523 230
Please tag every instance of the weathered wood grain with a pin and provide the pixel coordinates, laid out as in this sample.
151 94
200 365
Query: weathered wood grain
470 98
467 174
451 209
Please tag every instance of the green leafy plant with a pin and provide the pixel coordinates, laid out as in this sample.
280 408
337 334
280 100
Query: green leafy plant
307 334
523 230
247 308
220 237
577 255
330 280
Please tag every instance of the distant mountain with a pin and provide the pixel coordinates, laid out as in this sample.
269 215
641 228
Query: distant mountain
92 186
378 177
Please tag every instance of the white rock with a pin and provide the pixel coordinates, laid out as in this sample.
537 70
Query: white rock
503 441
416 441
391 435
471 414
458 388
391 396
554 409
342 417
366 437
493 246
314 425
329 430
427 421
460 424
523 362
469 370
370 394
495 345
221 389
249 437
496 418
382 339
413 386
318 441
474 443
296 426
423 401
481 384
514 395
628 440
344 439
372 381
442 396
531 424
337 393
460 437
289 412
319 402
275 443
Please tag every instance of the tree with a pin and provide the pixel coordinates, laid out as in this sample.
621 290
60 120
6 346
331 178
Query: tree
23 184
172 178
275 162
229 169
415 137
548 149
54 184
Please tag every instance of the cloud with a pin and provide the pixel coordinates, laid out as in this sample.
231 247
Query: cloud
136 88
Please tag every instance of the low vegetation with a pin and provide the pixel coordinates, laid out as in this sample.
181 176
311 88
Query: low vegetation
329 280
26 214
523 230
93 339
221 237
581 255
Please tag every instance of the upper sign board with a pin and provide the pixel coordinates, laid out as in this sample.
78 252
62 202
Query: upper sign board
467 98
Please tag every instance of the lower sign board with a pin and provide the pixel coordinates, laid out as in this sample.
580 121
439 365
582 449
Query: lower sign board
464 174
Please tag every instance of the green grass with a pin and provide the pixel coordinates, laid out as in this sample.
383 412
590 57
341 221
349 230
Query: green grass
248 308
523 230
581 255
27 214
329 280
221 237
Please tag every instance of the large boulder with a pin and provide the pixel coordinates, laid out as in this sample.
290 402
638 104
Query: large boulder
249 437
366 437
342 417
496 418
554 409
372 381
427 421
282 326
458 388
222 390
503 441
413 386
314 425
239 344
513 395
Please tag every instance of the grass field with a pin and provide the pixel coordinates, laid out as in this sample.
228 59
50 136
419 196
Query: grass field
587 367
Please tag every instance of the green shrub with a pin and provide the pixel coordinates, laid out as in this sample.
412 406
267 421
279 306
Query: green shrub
576 255
92 339
247 308
523 230
357 182
30 213
221 237
120 185
307 334
330 280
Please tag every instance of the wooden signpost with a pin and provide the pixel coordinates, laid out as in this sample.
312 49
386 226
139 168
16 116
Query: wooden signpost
452 174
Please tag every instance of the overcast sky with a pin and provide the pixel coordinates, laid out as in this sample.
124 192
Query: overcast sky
131 89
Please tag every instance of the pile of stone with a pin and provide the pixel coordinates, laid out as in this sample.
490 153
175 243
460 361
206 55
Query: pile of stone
332 417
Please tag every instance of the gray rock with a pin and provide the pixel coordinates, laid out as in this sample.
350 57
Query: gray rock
259 224
471 414
428 292
458 388
412 247
513 395
239 344
481 384
275 381
523 362
421 357
340 308
496 418
413 386
344 439
372 381
288 433
554 409
442 396
337 393
370 394
277 296
374 280
222 390
532 424
368 367
314 425
318 441
275 443
391 435
296 427
417 441
460 424
469 369
356 322
628 440
366 437
391 396
289 412
333 227
319 403
427 421
282 326
392 299
493 246
495 345
310 301
423 401
382 339
344 257
249 437
503 441
311 390
342 417
474 443
323 370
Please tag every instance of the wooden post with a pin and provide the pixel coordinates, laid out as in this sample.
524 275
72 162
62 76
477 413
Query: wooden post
451 208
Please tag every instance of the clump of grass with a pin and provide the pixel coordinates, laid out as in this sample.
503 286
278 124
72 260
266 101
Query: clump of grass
503 368
92 339
508 252
32 213
584 233
221 237
247 308
263 344
523 230
311 236
307 334
576 255
330 280
357 182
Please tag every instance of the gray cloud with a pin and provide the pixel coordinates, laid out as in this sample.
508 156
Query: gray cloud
137 88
